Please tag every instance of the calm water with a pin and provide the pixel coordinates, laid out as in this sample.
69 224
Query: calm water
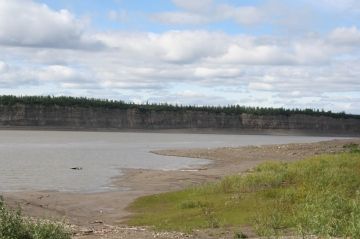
41 160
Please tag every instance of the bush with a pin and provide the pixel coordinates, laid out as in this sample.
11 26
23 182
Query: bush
14 226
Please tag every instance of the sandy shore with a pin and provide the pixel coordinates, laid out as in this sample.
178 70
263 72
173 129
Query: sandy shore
102 215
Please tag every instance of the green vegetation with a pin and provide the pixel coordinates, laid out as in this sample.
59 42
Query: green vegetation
353 148
14 226
91 102
317 196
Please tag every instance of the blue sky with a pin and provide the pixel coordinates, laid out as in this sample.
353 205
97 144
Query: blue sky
137 15
293 54
324 15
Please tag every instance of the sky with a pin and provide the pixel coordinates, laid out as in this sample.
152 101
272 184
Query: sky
267 53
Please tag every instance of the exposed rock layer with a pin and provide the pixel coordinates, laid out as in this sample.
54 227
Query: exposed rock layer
61 117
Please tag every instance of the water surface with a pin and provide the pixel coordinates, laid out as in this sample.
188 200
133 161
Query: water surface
41 160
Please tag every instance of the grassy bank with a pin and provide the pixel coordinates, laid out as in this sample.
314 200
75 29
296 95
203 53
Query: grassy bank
317 196
14 226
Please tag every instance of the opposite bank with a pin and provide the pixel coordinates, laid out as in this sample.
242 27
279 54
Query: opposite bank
75 117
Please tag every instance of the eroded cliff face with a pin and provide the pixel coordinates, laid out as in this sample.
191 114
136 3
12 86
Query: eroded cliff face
102 118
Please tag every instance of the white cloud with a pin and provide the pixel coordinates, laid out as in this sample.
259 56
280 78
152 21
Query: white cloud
346 35
118 16
187 46
31 76
182 18
16 77
339 5
196 6
206 72
219 48
59 73
26 23
313 51
3 67
256 54
190 94
183 66
172 46
143 78
247 15
260 86
207 11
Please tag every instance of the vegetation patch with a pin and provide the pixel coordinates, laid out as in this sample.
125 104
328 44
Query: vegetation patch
317 196
14 226
352 148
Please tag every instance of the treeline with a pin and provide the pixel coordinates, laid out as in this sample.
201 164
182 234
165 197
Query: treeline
114 104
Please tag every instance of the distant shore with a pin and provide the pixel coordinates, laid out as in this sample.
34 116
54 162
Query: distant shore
278 132
68 113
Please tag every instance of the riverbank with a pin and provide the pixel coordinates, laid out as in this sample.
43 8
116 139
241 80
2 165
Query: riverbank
74 114
209 131
317 196
94 211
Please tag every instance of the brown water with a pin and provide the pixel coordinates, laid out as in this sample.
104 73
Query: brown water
41 160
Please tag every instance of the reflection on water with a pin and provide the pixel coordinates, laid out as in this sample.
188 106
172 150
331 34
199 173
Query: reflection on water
42 160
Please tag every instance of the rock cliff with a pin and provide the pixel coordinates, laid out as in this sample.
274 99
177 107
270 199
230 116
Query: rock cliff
64 117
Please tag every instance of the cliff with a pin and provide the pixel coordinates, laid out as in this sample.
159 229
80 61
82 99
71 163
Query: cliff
65 117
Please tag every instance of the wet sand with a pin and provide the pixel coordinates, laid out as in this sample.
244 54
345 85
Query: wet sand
102 215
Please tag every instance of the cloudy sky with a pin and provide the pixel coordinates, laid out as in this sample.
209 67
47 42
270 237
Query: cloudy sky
280 53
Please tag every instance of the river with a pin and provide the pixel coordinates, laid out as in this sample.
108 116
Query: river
42 160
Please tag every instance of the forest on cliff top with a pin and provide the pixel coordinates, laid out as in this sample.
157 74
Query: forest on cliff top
69 101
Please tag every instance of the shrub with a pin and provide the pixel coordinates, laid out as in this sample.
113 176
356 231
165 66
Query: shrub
14 226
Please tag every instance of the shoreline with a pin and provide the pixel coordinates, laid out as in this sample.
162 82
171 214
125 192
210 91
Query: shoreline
87 210
224 131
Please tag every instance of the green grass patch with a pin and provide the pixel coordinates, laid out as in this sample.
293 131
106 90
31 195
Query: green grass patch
352 148
14 226
317 196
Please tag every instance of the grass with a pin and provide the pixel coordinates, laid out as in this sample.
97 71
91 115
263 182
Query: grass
317 196
14 226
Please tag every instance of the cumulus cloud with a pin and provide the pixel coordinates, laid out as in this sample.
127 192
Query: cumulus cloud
339 5
182 18
247 15
256 54
178 66
207 11
3 67
16 77
187 47
194 6
277 14
260 86
206 72
67 77
346 35
172 46
313 51
211 59
32 76
118 16
26 23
